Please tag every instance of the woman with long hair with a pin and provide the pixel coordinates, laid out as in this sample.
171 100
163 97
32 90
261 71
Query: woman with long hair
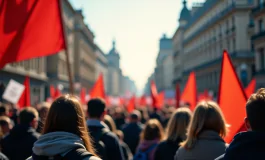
151 136
175 134
205 134
110 123
65 134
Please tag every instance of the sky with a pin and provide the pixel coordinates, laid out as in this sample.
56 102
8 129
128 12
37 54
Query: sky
136 25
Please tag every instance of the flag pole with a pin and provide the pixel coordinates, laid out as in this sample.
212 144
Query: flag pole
69 71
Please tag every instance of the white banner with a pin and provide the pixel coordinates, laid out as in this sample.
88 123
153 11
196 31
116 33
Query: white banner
13 91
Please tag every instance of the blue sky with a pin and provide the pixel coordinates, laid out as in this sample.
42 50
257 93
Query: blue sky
137 26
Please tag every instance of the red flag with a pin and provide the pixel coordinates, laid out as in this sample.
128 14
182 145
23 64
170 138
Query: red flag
83 96
98 88
57 93
232 98
190 92
160 100
52 91
29 29
131 105
142 101
250 89
154 93
24 100
177 92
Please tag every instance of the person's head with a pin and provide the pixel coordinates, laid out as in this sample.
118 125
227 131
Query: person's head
178 124
119 134
3 110
5 124
135 116
29 116
43 111
66 115
153 130
110 123
96 109
255 108
207 116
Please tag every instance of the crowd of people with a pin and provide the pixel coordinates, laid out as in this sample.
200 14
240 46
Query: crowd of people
66 130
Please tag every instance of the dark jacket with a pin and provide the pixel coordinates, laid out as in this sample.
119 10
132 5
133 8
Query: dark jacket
60 144
111 142
126 151
18 144
246 146
208 146
167 150
132 133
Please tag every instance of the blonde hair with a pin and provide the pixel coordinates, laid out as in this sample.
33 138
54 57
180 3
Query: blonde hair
110 123
178 124
207 116
152 130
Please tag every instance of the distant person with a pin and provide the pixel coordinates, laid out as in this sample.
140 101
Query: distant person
250 145
125 148
4 111
110 123
5 125
205 134
156 115
65 135
132 131
106 143
151 136
175 134
18 144
144 115
43 112
119 118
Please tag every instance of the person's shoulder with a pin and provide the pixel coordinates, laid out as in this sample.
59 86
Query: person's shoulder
94 158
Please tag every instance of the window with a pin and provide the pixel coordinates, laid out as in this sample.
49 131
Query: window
262 57
261 26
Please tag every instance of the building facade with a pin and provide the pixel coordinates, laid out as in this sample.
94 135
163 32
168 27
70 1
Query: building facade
204 32
114 72
164 65
85 57
101 66
258 39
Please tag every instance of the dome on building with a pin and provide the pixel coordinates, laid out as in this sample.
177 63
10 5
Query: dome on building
185 13
113 50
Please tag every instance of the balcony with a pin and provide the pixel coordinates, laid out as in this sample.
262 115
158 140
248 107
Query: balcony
258 9
258 36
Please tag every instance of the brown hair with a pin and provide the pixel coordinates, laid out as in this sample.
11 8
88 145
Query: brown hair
110 123
207 116
153 130
27 115
66 115
178 124
256 110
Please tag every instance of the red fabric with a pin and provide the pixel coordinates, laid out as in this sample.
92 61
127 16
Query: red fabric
154 93
204 96
24 100
250 89
160 100
131 105
232 98
52 91
57 93
98 88
143 101
83 95
190 92
177 92
29 29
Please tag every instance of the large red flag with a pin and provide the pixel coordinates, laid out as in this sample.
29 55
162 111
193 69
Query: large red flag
154 93
177 95
29 29
250 89
24 100
83 95
57 93
190 92
160 99
98 88
142 101
131 105
232 98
